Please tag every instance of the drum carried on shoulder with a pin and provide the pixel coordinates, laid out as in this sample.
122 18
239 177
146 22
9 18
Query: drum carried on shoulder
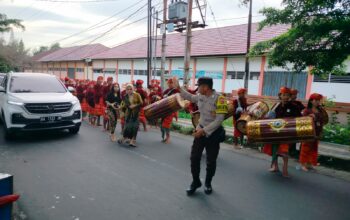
165 107
281 130
254 112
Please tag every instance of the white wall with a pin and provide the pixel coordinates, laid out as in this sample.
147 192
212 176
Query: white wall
235 84
338 91
210 64
111 64
124 64
140 64
97 64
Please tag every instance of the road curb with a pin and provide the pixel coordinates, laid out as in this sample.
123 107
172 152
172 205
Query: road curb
293 164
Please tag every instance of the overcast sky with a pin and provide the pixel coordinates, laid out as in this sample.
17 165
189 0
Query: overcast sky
49 21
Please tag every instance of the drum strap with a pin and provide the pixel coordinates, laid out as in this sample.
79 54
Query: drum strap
170 92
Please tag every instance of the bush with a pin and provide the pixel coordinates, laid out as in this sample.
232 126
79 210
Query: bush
184 115
338 134
175 127
334 132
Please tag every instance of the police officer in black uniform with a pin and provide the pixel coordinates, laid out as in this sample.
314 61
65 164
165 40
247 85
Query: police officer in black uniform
209 132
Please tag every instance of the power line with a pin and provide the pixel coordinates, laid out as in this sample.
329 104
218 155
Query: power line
96 25
78 1
126 25
106 32
40 12
221 36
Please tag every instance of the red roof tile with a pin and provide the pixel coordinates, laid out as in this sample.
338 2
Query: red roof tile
228 40
74 53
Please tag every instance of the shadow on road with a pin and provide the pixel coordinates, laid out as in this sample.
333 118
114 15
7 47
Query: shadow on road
35 137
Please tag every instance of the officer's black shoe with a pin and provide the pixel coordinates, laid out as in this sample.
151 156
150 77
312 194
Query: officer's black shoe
193 187
208 189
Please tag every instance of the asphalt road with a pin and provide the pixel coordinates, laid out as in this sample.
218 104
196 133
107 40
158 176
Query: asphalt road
87 177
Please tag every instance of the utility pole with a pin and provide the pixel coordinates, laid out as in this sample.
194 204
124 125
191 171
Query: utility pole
246 75
149 42
188 42
155 40
162 64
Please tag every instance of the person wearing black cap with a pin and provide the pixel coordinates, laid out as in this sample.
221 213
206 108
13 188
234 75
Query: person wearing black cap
209 132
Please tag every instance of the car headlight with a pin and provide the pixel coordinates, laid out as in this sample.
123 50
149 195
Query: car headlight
15 103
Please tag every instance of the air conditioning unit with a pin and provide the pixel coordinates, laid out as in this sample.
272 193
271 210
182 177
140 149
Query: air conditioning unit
178 10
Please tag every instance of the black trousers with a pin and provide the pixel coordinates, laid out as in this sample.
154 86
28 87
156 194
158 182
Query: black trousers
212 146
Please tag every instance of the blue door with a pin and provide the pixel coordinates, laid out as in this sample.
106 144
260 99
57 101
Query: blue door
273 81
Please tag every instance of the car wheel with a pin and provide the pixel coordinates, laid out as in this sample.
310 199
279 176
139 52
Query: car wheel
74 130
9 135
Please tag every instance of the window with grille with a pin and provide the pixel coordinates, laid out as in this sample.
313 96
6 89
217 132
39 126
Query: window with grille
340 79
109 71
254 75
333 78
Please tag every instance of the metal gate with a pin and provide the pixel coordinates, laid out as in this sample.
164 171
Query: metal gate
71 72
273 81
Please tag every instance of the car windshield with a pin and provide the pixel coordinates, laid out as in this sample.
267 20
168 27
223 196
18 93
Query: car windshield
35 84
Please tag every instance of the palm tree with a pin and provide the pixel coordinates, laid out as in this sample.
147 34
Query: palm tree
7 24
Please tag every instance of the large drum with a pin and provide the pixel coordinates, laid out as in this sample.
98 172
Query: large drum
281 130
196 115
164 107
254 112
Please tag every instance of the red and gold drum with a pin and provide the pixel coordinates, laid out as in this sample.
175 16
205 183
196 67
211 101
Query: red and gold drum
254 112
164 107
281 130
241 123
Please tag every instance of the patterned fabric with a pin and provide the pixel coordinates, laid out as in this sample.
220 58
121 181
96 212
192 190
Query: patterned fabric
100 108
84 105
112 117
131 115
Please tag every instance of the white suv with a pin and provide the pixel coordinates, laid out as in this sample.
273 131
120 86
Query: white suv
37 101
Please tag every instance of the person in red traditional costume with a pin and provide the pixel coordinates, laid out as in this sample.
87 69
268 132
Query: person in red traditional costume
99 99
153 97
142 92
66 81
90 93
157 82
81 95
284 109
107 87
239 105
309 149
166 121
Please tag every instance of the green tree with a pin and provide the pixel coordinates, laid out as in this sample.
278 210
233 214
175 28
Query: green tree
319 35
55 46
13 56
7 24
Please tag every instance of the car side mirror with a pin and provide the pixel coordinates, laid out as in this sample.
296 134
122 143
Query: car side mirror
71 89
2 89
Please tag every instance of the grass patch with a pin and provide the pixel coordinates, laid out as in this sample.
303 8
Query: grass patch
184 115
